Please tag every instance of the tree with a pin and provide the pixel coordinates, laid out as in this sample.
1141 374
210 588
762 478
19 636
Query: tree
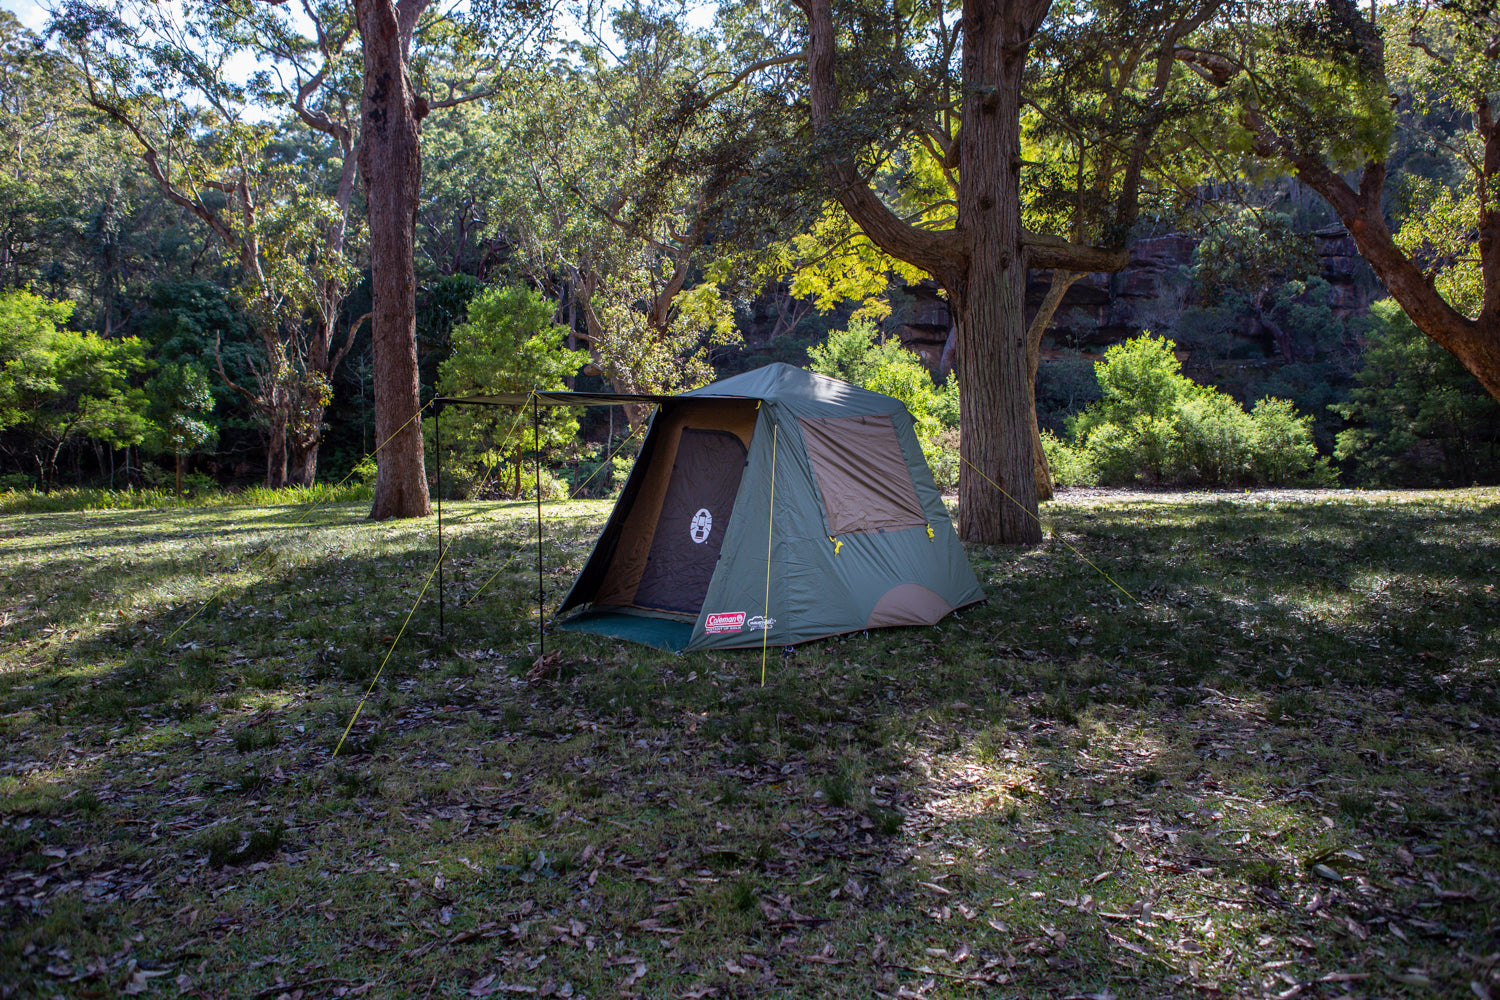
617 209
178 393
160 76
59 386
392 107
980 251
1320 88
1255 254
1416 415
508 344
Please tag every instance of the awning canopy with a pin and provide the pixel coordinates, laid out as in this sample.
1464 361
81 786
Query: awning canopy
553 399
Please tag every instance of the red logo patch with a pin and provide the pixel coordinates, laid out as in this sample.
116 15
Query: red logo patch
725 621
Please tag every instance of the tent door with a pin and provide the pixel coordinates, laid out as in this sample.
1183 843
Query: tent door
694 516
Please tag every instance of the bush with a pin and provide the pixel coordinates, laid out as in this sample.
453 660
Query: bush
1070 466
1214 441
856 356
1155 424
941 450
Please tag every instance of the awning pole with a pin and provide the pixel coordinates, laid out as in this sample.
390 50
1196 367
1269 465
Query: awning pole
541 617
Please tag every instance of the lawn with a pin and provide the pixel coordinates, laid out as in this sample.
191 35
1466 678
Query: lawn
1269 769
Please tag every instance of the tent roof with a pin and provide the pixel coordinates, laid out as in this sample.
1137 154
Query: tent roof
775 382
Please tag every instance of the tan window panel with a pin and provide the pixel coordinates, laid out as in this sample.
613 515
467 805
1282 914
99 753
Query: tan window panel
861 474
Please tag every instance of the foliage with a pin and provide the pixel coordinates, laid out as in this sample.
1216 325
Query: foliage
858 355
1155 424
1253 252
943 461
58 386
1417 416
508 344
1070 466
179 399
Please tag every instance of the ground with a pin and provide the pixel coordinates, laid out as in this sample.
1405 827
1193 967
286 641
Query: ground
1216 745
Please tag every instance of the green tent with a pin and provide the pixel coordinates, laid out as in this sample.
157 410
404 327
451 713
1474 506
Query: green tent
776 506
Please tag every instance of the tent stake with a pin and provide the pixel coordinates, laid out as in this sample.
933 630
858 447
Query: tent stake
541 618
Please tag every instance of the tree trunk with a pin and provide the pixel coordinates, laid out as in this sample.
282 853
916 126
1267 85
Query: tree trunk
276 449
998 417
391 166
302 459
1061 282
982 262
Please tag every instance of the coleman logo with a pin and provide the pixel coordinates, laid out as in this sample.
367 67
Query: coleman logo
703 523
725 621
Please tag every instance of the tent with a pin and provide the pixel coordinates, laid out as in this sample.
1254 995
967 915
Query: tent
772 507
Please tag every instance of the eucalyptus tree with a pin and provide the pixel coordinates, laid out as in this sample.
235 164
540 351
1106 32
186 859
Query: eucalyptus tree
78 219
618 199
163 74
1323 89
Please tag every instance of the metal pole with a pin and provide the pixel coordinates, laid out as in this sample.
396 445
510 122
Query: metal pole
437 433
536 440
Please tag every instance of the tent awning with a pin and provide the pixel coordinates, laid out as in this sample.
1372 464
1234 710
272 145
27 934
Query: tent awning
553 399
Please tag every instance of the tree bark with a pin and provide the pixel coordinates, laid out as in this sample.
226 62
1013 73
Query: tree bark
996 427
390 164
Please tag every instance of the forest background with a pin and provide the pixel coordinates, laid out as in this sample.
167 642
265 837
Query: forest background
634 199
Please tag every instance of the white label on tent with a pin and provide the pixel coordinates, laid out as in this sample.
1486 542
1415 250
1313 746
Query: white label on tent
703 523
724 621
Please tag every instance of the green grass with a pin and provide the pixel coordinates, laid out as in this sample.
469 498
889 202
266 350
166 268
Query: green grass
1278 771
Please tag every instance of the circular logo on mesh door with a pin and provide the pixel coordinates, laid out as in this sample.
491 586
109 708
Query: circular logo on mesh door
703 523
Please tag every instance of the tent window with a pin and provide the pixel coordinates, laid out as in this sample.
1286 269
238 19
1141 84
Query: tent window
862 474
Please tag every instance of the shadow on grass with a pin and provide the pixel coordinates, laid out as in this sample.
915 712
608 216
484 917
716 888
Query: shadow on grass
1277 772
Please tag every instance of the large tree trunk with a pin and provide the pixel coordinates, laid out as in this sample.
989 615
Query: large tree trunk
996 427
275 448
391 164
302 453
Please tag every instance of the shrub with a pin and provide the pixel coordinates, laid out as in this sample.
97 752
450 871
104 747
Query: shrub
1155 424
1070 466
1215 438
941 450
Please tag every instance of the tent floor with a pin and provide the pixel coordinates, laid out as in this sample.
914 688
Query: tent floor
662 633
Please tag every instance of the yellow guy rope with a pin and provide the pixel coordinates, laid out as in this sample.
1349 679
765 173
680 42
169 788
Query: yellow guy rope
376 679
765 631
1054 534
308 513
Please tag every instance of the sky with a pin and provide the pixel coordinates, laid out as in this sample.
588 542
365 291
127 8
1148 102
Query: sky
29 12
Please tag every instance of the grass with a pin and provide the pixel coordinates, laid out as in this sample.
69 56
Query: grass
1275 775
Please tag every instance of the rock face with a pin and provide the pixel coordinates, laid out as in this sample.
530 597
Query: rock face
1149 294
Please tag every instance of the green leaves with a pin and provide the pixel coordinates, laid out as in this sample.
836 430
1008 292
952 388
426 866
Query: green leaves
1156 424
58 384
508 344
